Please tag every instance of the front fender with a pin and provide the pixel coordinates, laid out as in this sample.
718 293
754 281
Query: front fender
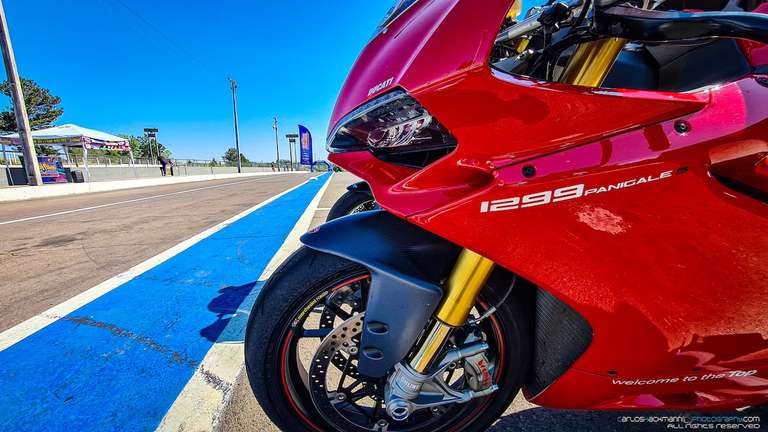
360 187
407 265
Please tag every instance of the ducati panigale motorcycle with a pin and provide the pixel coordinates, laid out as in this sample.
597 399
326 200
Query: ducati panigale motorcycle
572 200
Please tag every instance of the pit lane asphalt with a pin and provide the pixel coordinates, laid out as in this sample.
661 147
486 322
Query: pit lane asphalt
46 261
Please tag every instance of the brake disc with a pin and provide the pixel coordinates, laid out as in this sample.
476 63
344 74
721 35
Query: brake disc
350 401
340 349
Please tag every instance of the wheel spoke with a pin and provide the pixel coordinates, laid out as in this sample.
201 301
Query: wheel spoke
361 410
343 375
336 309
367 390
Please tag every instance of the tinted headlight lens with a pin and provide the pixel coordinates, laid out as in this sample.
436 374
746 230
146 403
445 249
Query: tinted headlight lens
392 123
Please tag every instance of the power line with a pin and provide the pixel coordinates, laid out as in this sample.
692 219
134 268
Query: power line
178 47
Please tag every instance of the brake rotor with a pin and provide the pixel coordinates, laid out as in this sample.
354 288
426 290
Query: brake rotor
340 349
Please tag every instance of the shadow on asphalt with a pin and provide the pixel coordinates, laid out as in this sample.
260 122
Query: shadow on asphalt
537 419
226 306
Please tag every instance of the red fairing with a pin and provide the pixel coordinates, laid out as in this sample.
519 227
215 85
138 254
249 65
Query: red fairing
623 218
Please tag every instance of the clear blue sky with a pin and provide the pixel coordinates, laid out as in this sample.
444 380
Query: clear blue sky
168 66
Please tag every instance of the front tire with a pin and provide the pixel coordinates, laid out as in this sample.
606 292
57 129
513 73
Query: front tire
300 288
351 202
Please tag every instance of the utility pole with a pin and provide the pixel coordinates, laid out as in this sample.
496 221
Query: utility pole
233 84
277 143
19 108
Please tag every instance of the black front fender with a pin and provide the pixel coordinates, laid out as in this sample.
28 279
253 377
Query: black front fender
360 187
407 264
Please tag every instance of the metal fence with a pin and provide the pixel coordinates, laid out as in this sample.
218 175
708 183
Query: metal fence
105 168
12 158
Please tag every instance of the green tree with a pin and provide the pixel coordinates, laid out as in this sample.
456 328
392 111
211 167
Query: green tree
214 163
45 150
140 145
42 107
230 158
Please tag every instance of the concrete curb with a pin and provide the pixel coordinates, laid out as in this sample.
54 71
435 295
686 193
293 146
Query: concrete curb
21 193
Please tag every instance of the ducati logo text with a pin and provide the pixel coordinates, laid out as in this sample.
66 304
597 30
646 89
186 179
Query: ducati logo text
381 86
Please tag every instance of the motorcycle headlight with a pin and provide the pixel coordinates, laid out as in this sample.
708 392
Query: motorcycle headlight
392 123
399 7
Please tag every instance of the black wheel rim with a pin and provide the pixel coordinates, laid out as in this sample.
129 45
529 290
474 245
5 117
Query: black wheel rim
316 319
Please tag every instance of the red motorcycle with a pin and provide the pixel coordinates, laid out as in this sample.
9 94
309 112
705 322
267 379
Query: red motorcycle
573 200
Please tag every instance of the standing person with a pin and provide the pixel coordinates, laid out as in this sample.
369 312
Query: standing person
171 165
163 163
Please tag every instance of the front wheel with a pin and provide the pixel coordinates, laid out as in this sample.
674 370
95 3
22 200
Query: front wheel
315 298
353 201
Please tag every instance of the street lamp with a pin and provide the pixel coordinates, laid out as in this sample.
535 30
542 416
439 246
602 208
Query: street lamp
292 137
151 134
277 144
233 85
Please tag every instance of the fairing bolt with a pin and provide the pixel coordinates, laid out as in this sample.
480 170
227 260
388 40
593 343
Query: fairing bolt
682 127
529 171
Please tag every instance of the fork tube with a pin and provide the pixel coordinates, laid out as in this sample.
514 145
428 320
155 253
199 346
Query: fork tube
467 278
592 61
588 67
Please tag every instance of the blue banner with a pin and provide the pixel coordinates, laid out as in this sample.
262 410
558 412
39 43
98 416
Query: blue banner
305 142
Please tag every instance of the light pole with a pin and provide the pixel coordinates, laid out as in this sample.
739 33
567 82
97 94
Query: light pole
290 155
233 84
151 134
291 141
277 143
19 108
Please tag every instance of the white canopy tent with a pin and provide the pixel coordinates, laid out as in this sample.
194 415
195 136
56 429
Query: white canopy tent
70 135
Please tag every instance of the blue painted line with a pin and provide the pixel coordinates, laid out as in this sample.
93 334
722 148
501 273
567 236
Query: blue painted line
119 362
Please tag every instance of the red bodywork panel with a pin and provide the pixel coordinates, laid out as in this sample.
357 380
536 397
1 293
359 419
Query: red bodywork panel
668 265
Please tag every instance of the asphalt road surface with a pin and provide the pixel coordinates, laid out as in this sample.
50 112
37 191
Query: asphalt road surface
52 257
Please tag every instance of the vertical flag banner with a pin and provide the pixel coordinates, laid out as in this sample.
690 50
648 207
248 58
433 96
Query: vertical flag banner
305 141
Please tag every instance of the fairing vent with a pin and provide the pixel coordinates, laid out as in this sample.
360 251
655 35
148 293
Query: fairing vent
560 337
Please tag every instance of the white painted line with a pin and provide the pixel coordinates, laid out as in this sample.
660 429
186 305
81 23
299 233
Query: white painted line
36 323
201 402
66 212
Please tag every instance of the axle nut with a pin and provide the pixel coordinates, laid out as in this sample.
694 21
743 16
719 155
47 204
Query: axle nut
399 409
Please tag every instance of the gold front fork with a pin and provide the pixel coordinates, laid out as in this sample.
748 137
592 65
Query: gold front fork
592 61
589 66
467 278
